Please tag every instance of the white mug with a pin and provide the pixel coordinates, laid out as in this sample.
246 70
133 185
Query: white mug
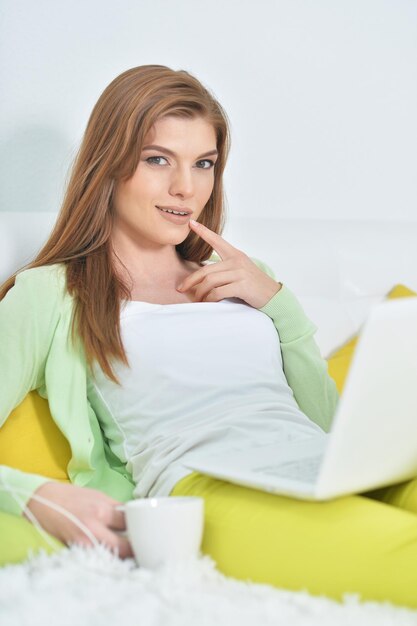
164 529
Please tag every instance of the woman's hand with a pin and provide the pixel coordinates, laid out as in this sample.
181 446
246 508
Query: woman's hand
94 509
236 276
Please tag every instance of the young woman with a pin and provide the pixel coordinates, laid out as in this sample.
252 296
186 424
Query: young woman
151 349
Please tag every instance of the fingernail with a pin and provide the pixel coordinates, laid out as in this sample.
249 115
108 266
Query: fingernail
194 223
179 288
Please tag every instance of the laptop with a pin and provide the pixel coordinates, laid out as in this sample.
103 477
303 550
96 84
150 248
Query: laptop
373 438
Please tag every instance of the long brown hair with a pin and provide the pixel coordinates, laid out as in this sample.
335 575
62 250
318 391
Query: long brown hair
109 152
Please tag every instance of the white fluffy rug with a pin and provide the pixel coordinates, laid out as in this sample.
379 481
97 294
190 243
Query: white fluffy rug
92 587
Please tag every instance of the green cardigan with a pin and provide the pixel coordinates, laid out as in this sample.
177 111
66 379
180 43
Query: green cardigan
36 352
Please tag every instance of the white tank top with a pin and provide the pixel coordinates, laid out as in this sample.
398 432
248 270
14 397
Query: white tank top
203 377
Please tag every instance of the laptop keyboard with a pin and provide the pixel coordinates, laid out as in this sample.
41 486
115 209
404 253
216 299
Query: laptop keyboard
303 470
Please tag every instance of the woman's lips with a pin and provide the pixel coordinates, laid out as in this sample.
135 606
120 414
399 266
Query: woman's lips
175 219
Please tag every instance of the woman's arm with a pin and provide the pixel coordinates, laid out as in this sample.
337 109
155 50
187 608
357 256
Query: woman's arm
97 516
304 367
29 315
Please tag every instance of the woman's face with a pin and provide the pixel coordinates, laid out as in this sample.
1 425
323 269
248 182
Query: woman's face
177 173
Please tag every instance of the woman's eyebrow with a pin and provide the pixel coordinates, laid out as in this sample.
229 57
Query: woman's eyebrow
167 151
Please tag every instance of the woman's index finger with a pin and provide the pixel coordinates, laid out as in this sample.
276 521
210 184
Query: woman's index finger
223 248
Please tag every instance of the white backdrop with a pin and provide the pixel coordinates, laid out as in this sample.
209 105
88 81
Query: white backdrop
322 95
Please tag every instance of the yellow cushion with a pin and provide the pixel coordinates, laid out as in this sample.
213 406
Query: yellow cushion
19 539
339 361
31 441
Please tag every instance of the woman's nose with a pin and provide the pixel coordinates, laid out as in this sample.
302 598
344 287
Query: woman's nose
182 183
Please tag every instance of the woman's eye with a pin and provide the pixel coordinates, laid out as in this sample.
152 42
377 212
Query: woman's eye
153 160
149 159
209 161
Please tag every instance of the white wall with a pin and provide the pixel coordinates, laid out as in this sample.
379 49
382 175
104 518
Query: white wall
322 95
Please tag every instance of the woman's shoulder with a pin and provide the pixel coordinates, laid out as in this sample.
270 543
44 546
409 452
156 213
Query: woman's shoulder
39 293
55 271
45 278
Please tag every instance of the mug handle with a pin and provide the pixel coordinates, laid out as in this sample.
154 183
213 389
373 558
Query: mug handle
121 533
